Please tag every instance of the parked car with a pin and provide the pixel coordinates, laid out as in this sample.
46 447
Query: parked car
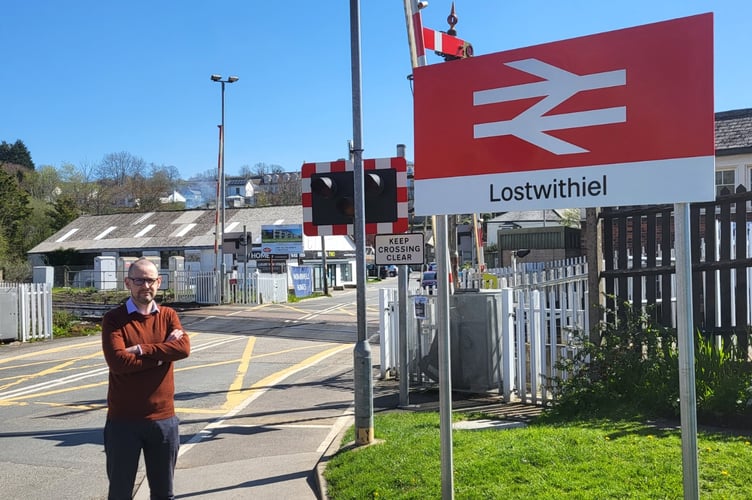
428 281
391 271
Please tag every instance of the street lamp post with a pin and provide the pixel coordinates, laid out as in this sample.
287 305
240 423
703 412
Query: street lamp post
220 227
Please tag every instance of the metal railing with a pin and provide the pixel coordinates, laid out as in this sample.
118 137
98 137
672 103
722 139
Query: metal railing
531 329
25 311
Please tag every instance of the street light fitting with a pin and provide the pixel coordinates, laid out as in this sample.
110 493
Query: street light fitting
230 79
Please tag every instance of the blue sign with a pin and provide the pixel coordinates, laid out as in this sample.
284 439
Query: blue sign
302 280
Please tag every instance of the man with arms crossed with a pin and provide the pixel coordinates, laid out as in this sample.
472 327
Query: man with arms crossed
140 341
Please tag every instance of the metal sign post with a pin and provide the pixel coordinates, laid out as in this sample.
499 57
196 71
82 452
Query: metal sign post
686 346
362 352
417 55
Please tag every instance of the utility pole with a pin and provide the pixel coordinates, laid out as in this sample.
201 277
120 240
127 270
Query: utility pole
362 371
221 179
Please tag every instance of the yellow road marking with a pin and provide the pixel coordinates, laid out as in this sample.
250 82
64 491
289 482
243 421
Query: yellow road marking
207 411
90 407
234 391
257 356
272 379
26 365
49 351
50 370
52 393
292 308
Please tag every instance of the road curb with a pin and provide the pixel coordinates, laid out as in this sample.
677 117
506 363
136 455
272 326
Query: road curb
344 423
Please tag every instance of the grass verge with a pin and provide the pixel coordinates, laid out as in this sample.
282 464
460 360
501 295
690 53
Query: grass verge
547 459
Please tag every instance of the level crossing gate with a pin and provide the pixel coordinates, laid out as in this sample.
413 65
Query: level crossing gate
511 346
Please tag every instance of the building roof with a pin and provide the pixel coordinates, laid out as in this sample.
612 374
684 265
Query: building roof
733 132
237 182
529 216
163 230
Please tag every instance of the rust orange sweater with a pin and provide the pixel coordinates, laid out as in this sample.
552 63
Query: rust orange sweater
140 387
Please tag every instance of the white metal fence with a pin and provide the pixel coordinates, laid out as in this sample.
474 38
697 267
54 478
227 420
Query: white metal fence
240 288
550 305
536 321
25 311
199 287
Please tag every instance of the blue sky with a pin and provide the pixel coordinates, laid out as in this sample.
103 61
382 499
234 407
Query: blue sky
86 78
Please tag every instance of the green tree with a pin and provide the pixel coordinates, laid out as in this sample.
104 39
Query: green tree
37 226
16 153
14 215
12 267
570 217
63 211
14 212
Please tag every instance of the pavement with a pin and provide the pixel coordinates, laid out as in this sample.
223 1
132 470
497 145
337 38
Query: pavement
254 462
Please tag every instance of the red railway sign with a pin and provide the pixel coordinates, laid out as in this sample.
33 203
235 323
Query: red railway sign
617 118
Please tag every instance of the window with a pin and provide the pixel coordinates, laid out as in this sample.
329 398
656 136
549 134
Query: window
346 271
725 179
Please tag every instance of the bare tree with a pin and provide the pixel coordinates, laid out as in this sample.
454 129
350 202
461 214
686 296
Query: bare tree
169 174
43 183
260 170
290 189
246 171
206 175
118 167
151 190
77 184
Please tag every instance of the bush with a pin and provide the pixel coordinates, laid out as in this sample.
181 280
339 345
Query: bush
634 370
723 381
66 324
61 323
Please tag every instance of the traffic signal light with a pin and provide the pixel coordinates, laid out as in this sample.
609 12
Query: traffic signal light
328 196
333 197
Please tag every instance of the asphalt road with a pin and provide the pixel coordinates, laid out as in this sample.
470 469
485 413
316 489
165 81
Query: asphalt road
265 386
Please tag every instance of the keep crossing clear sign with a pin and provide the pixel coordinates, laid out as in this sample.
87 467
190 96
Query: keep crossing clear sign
396 249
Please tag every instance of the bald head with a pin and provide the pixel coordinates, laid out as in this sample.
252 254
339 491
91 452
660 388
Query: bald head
143 266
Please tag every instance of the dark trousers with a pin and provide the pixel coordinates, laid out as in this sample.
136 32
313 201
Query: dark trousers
123 443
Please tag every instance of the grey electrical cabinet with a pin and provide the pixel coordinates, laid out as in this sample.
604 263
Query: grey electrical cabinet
475 342
8 313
